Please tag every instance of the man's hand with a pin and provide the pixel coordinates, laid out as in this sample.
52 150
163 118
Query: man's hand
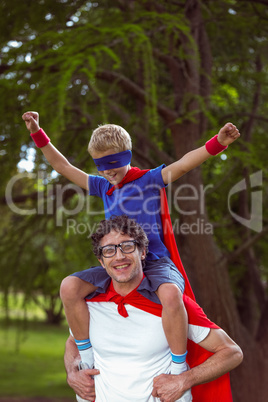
32 121
228 134
82 383
169 387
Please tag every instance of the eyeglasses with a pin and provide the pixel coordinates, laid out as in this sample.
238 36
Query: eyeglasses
127 247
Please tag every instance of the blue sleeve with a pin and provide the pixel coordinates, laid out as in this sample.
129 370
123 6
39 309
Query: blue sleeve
97 185
154 176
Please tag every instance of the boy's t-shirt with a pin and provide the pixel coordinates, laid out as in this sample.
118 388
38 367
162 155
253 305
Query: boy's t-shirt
139 199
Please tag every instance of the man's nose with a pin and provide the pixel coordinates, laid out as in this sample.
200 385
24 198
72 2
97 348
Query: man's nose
119 253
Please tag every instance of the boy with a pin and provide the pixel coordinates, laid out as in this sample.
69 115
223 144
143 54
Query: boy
122 188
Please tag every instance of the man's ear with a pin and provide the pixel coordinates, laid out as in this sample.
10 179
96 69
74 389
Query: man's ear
143 254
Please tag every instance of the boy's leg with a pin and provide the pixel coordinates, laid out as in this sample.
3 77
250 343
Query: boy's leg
175 324
73 292
174 317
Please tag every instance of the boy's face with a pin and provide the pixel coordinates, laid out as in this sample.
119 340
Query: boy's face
114 176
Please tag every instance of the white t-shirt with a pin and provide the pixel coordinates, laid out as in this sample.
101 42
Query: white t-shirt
130 352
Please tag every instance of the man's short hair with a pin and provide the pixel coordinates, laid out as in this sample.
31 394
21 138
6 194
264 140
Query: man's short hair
121 224
109 136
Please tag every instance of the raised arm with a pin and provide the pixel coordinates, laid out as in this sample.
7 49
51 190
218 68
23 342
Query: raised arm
227 355
54 157
226 136
81 381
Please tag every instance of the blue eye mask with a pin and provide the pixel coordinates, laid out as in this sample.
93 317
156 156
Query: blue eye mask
113 161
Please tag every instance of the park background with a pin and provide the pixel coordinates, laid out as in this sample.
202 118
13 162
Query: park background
172 73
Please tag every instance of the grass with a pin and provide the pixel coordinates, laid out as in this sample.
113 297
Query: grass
31 362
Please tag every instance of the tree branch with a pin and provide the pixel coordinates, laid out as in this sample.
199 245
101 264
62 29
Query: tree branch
248 243
265 2
133 89
21 198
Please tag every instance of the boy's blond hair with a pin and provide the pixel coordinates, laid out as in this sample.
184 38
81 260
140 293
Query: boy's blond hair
109 136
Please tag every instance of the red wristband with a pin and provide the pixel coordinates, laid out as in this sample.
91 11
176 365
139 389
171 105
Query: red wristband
214 147
40 138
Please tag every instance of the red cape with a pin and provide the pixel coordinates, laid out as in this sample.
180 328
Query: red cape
218 390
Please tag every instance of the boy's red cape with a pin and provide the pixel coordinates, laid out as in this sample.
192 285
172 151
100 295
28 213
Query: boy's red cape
218 390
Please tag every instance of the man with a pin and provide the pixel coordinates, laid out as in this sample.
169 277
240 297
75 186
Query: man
130 348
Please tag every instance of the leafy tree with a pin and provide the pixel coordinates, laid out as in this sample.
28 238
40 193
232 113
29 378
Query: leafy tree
171 73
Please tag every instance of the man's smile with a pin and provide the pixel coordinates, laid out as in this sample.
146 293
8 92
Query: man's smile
121 266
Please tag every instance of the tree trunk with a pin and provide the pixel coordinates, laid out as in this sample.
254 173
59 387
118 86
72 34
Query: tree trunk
201 257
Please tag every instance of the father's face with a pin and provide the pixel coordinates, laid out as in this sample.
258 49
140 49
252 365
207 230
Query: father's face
122 268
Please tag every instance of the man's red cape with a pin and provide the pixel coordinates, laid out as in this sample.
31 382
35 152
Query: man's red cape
218 390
